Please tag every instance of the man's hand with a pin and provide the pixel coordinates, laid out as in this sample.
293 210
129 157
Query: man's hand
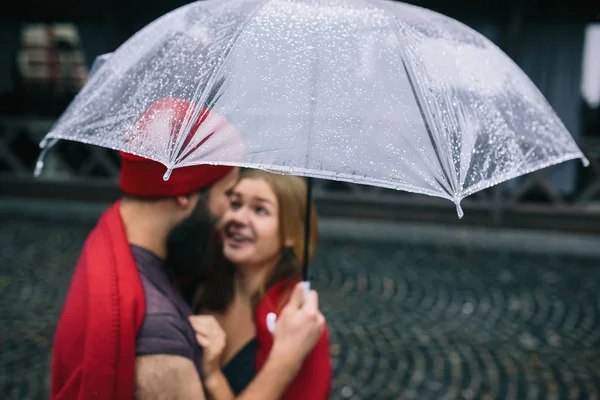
299 327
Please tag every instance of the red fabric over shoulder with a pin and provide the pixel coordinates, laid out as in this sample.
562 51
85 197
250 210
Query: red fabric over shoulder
94 343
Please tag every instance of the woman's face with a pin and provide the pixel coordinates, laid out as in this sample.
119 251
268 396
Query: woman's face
250 226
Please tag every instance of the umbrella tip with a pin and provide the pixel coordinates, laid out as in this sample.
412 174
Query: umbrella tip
167 174
459 210
585 161
39 166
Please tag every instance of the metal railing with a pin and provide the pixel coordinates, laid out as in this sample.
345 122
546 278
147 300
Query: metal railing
89 173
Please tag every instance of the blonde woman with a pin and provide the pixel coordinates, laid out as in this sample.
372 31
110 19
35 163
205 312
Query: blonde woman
262 235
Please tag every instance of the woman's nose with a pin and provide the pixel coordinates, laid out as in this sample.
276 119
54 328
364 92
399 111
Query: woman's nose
240 216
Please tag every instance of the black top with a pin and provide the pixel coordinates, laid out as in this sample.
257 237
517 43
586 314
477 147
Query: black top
241 369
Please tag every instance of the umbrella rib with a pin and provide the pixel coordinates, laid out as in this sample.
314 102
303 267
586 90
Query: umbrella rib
427 125
115 119
211 80
420 106
514 174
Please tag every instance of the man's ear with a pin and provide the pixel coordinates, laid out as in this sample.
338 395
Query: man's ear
185 201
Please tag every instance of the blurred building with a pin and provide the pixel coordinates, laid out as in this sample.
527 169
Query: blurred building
48 69
46 49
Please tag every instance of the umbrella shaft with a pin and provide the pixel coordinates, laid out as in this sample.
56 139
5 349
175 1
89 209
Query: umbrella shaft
307 228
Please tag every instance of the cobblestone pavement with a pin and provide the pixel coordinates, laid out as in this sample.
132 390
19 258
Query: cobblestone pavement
431 322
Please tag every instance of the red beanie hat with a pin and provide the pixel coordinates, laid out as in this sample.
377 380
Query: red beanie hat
142 177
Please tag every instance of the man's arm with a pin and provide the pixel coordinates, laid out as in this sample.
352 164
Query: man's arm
166 377
162 377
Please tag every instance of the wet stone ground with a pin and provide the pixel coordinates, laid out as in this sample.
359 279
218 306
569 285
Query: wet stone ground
407 322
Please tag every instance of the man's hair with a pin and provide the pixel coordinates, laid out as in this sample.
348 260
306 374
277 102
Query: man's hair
189 245
143 199
203 193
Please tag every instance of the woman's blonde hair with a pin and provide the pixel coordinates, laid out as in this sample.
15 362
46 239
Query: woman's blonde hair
216 292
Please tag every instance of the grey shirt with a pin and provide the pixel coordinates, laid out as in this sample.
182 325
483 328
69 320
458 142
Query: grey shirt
165 329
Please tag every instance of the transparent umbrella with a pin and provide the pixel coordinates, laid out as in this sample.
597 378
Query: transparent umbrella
366 91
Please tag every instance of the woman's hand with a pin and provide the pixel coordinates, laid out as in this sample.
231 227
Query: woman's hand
211 337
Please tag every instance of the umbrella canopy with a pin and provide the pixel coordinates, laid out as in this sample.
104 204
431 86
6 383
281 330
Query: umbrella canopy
366 91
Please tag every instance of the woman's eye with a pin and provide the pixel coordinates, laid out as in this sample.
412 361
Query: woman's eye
234 204
262 211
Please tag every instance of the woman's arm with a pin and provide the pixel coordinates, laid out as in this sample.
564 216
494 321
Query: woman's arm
217 387
307 371
273 379
314 380
299 326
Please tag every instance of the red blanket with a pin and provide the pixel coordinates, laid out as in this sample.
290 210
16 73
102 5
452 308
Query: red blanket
94 344
315 377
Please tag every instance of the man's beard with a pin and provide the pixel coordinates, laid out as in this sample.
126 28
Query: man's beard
190 245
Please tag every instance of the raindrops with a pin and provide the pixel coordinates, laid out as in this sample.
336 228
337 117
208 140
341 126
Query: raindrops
316 86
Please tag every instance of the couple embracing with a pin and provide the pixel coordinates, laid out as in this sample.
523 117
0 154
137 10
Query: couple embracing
173 289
